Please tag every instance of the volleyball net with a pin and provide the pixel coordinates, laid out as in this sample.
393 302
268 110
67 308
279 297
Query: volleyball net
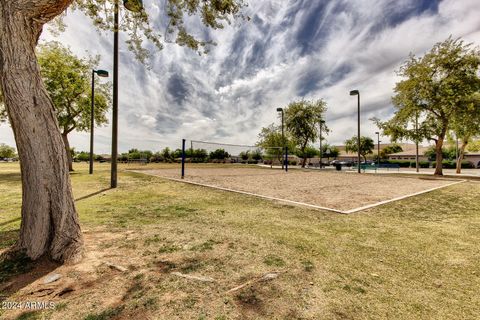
196 151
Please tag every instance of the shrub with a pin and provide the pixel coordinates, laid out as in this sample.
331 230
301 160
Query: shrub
424 164
468 164
401 164
446 164
292 162
252 161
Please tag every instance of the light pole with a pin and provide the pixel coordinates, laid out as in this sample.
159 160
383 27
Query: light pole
321 152
283 139
417 163
357 93
134 6
378 148
104 74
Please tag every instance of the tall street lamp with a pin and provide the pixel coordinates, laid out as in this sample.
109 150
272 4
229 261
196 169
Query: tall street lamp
104 74
321 152
378 148
357 93
283 138
417 163
134 6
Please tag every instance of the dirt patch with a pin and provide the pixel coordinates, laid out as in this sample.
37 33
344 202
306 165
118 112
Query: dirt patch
336 190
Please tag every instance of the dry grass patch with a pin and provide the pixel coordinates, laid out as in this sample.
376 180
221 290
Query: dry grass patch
412 259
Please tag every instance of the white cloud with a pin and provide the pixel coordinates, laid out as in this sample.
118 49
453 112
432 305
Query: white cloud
288 50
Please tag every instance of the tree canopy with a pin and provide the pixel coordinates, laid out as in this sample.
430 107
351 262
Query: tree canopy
466 124
394 148
366 146
68 81
271 141
171 25
434 91
302 119
6 151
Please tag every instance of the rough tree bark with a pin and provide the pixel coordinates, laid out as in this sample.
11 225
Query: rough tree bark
461 154
439 156
304 160
49 219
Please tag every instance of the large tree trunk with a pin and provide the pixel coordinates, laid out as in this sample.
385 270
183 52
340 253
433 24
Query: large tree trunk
304 160
68 151
49 220
461 154
439 157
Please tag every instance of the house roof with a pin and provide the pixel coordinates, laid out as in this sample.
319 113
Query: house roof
410 152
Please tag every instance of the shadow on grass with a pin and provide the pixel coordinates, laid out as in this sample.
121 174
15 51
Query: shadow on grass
8 238
10 178
92 194
8 222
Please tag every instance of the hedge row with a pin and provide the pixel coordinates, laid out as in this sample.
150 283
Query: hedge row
446 164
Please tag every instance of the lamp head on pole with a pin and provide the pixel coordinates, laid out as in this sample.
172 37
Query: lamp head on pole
377 132
101 73
280 109
133 5
354 93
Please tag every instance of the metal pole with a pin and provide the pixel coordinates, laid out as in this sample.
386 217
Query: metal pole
183 158
358 132
113 180
286 157
417 162
320 162
92 123
191 151
283 141
378 149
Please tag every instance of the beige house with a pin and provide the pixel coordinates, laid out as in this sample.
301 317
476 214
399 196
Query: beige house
410 154
473 157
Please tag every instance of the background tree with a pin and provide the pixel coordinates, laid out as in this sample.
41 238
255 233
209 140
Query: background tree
434 91
431 153
68 82
270 140
49 218
393 148
6 151
167 154
466 125
199 155
330 151
219 154
302 119
82 156
309 152
245 155
366 146
474 146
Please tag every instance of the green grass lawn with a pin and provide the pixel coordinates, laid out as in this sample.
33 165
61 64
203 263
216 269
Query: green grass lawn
414 259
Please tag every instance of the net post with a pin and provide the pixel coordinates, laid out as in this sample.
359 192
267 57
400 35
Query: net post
183 158
286 159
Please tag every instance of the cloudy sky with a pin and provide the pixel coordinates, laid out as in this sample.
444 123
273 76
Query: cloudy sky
290 49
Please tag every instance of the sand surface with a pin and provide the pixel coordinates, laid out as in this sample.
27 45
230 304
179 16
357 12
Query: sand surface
336 190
